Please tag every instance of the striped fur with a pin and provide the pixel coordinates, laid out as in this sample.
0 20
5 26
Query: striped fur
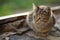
41 20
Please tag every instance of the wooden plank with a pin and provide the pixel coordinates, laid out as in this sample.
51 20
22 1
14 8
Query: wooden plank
14 15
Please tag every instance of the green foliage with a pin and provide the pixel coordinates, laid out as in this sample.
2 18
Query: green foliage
7 7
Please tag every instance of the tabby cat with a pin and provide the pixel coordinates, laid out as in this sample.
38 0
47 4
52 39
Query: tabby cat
41 20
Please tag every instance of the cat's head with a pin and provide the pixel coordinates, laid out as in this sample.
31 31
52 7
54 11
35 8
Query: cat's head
42 10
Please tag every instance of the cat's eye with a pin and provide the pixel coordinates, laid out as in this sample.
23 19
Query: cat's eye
46 12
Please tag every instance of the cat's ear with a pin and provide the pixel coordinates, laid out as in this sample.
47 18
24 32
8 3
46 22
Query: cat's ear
35 6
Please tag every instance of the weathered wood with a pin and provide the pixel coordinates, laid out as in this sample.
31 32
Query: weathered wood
14 15
8 20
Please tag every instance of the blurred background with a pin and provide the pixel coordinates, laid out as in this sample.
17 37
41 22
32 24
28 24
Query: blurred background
8 7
